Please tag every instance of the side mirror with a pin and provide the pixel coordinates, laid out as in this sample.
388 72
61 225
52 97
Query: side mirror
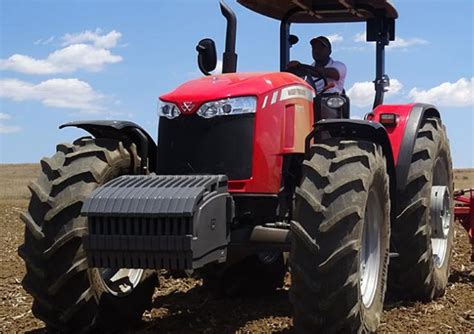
207 55
293 39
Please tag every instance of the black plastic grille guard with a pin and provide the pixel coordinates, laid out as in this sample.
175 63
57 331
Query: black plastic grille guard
169 222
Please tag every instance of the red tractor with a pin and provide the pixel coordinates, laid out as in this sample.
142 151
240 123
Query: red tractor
245 171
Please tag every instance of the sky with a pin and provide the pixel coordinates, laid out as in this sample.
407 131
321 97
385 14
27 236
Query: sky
65 60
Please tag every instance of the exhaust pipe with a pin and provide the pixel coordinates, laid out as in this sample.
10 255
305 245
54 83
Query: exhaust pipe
229 57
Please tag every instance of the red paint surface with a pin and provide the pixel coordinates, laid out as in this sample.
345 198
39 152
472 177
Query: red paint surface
221 86
278 129
464 213
395 133
270 127
289 133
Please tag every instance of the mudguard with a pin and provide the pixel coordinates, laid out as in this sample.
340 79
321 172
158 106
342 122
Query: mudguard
122 130
403 135
357 129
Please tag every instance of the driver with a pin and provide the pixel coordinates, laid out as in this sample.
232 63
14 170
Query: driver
324 65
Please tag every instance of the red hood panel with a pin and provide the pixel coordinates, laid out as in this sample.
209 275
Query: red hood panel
192 94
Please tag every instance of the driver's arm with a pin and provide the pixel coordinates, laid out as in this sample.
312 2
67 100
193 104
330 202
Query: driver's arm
329 72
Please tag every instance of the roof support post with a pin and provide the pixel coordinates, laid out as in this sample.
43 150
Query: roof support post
285 37
284 44
383 30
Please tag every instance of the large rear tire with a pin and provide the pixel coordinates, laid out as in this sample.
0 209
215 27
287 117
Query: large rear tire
421 270
340 238
67 295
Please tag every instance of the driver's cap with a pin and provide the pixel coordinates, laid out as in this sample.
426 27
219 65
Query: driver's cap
321 39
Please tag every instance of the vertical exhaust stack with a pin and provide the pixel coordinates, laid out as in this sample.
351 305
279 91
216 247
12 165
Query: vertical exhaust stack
229 61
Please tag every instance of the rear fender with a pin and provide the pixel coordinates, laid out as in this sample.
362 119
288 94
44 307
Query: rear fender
126 131
403 135
357 129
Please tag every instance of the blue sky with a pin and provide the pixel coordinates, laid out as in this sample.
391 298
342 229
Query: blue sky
67 60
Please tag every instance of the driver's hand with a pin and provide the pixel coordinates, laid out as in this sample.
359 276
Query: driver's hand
319 70
293 63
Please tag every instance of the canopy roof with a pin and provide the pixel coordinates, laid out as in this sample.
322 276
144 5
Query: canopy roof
321 11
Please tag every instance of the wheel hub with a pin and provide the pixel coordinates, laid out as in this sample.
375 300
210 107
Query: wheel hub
120 282
370 249
440 214
440 222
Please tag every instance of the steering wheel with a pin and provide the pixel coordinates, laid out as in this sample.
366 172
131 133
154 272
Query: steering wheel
308 73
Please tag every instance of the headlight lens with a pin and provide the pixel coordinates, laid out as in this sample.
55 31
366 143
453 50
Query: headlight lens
168 110
335 102
229 106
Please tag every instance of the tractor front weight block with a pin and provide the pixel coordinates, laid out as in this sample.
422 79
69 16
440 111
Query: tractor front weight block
158 222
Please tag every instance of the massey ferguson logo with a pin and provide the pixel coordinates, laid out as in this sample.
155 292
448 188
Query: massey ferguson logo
187 107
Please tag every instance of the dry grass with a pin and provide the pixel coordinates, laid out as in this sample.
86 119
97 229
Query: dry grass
14 179
464 178
181 306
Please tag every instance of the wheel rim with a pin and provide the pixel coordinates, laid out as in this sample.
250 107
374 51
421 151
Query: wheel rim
120 282
440 214
370 249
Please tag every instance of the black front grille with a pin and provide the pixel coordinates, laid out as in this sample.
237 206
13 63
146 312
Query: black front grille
139 242
195 145
145 226
157 221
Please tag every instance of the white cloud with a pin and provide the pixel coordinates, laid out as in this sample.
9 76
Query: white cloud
44 41
457 94
74 56
402 43
4 116
398 43
352 48
362 93
335 38
359 37
107 41
4 129
58 93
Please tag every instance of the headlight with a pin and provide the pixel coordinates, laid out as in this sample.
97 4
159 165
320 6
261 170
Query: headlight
168 110
229 106
335 102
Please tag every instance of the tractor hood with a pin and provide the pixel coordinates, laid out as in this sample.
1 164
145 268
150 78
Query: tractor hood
192 94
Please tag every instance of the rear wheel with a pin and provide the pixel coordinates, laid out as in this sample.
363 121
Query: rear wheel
67 295
424 229
340 238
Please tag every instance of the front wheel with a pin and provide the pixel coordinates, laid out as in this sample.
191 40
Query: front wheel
67 295
340 238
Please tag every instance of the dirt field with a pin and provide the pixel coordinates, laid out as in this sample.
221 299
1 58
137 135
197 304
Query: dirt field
183 306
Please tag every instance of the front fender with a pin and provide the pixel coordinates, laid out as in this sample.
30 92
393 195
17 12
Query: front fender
403 135
358 129
122 130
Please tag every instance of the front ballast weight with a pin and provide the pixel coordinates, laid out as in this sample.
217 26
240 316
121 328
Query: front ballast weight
158 222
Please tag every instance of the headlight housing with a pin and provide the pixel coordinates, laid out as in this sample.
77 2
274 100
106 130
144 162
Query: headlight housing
228 106
168 110
335 102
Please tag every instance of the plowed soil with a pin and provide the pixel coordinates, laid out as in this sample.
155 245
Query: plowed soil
184 306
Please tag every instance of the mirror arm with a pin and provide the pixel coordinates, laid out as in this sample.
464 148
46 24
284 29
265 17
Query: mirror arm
199 49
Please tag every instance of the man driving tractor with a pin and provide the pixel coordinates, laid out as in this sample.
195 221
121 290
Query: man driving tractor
324 66
324 74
